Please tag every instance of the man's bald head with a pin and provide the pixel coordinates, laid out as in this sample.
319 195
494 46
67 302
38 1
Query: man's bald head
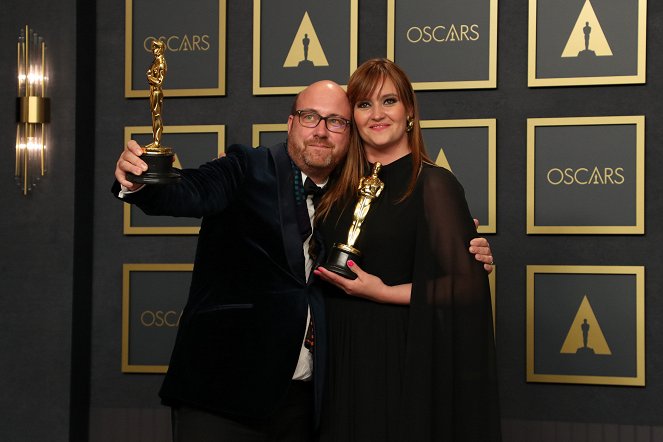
324 87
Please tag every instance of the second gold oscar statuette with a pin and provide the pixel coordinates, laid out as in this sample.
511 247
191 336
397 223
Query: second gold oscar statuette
369 188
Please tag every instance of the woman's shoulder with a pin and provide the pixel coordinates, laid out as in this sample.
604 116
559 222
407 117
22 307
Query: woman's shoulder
439 180
434 173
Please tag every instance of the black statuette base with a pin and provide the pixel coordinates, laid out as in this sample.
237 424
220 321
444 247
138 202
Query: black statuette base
159 170
337 262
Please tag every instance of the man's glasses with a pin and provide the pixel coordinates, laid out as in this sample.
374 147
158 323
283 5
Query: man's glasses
333 123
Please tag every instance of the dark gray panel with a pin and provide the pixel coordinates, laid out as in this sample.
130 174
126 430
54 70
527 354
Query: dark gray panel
617 19
280 21
191 33
586 175
612 298
443 40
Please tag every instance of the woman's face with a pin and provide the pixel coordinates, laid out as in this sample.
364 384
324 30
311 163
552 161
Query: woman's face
381 120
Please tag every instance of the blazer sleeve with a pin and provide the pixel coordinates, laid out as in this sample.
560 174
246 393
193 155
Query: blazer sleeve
203 191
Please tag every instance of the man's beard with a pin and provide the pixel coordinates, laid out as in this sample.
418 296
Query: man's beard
315 160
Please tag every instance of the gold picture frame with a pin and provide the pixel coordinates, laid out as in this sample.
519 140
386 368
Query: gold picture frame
638 227
163 317
637 305
192 91
194 226
534 80
260 89
488 83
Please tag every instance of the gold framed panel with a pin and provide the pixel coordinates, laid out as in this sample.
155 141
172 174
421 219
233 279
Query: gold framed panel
190 42
485 197
488 83
258 129
184 226
638 226
603 339
582 77
160 323
289 7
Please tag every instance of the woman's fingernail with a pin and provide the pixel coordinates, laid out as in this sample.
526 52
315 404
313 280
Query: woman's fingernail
351 263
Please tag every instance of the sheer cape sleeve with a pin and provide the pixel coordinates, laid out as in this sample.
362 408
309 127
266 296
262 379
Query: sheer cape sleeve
450 385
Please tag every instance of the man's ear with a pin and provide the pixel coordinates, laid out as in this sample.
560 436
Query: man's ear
290 120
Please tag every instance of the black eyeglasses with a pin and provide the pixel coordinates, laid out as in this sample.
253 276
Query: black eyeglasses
333 123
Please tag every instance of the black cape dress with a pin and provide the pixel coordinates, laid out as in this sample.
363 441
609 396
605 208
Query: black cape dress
424 371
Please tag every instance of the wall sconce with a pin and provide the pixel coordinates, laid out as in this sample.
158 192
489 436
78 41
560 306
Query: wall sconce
32 110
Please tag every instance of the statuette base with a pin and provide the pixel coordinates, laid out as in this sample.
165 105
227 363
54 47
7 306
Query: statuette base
337 262
159 168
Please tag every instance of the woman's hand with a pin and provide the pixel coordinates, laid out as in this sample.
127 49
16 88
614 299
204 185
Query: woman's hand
367 286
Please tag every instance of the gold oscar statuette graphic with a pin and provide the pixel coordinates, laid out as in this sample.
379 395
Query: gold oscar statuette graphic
159 159
369 188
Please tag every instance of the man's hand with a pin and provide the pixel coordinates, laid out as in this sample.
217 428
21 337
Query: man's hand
130 162
481 250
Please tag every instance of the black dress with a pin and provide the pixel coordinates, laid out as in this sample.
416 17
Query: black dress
424 371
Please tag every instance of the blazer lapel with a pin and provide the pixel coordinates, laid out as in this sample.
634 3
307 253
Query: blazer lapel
292 242
321 252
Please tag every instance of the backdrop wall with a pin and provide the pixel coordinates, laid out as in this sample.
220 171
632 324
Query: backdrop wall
39 298
37 237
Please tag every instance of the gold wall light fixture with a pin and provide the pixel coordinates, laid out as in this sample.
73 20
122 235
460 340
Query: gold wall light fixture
32 110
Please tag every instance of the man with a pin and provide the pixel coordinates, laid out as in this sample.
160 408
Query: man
240 369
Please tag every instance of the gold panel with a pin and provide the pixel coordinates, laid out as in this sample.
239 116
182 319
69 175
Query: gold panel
639 77
639 273
490 83
127 367
639 122
220 90
275 90
175 230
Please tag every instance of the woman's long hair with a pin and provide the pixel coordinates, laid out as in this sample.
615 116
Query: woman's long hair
363 83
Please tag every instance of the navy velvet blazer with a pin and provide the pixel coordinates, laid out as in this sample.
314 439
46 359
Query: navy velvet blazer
241 331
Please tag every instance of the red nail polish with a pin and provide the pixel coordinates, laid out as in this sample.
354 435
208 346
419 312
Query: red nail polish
351 263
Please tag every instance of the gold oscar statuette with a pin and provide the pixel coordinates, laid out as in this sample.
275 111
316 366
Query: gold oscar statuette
159 159
369 188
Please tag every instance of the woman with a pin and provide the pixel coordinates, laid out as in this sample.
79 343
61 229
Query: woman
411 350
